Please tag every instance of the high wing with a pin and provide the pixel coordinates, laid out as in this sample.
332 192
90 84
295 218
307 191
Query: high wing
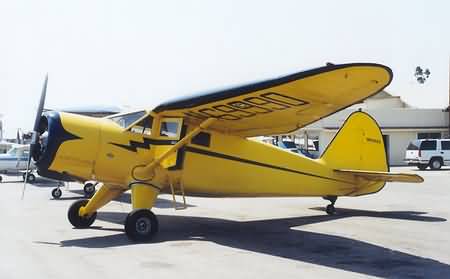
284 104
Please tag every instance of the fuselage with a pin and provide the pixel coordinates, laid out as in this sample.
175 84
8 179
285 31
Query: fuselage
211 164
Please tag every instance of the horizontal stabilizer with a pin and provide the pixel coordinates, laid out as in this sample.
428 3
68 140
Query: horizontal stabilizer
384 176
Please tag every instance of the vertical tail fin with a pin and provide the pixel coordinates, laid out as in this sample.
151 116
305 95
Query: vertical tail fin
358 145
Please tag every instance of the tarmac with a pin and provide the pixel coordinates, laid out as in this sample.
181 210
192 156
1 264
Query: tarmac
400 232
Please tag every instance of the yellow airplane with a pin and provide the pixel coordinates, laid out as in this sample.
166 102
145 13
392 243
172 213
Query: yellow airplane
201 146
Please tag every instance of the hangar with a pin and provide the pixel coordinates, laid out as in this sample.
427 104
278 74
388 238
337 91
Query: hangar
400 123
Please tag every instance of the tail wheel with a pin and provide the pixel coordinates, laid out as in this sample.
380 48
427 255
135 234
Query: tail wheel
141 225
80 221
330 209
435 163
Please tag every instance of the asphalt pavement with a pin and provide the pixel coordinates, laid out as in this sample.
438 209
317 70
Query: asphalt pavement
401 232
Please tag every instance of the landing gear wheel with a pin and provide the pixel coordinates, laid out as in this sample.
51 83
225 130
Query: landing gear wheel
435 164
422 166
56 193
141 225
89 189
31 178
80 221
330 209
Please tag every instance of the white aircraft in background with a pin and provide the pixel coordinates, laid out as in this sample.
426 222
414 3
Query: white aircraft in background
15 160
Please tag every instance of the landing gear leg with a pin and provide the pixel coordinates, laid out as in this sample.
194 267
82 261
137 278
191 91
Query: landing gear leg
82 213
330 208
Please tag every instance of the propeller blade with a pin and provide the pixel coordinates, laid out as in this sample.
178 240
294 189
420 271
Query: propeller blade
35 137
41 105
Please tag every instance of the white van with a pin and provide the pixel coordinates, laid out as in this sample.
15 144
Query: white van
433 153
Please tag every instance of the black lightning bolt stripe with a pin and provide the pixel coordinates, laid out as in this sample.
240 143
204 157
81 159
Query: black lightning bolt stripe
134 145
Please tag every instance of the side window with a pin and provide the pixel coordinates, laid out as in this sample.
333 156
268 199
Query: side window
436 135
445 145
143 127
428 145
169 128
202 138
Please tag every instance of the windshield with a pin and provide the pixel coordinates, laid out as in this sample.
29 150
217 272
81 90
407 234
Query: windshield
125 120
12 151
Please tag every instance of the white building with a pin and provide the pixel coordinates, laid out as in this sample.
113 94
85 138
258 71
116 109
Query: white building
1 128
399 122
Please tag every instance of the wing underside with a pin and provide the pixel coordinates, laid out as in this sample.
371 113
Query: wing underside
284 104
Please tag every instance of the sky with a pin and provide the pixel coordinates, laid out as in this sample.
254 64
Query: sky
137 54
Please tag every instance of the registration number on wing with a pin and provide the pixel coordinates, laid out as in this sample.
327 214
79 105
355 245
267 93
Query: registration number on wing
248 107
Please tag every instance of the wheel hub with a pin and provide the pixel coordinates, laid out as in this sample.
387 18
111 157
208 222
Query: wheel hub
143 225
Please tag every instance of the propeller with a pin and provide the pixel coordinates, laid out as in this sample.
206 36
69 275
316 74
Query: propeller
35 133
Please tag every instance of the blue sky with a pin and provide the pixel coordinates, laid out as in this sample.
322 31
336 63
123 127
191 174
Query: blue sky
139 53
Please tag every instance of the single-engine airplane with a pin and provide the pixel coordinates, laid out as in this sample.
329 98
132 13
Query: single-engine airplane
200 146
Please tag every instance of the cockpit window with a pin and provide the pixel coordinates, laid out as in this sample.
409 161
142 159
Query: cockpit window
125 120
143 127
169 129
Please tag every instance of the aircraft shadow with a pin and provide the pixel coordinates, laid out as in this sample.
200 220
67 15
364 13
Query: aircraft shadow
277 238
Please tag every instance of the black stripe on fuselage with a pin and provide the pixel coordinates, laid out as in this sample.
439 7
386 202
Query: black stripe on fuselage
134 145
237 159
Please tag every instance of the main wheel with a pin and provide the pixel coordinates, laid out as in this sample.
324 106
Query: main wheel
56 193
141 225
422 166
80 221
330 209
435 164
89 189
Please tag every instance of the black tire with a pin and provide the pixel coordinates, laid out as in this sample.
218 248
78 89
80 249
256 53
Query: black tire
31 178
422 166
330 209
1 178
89 189
141 225
56 193
80 221
435 163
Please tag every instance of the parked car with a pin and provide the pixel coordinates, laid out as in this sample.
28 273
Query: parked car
433 153
291 146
